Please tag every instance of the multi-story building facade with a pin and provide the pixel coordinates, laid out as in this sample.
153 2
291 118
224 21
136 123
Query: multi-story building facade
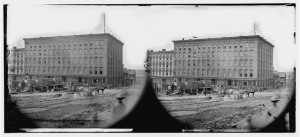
161 66
16 64
132 76
91 58
229 61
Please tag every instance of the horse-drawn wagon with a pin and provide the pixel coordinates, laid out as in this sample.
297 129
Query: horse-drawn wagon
196 87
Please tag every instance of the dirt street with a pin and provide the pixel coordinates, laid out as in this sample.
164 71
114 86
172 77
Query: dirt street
213 114
48 110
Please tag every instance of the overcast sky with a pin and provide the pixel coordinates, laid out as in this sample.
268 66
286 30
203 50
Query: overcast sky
155 27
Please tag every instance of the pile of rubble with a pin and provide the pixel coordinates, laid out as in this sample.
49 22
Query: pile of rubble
85 94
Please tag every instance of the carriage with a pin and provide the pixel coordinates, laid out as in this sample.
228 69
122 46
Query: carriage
197 87
44 84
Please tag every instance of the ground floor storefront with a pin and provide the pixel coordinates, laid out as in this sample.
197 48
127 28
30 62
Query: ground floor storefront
267 82
88 80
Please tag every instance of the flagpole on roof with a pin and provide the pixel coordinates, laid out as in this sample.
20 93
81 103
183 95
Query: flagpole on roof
104 21
255 28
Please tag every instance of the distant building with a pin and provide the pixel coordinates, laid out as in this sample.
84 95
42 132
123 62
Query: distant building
91 58
229 61
161 66
282 78
132 76
290 75
16 64
129 76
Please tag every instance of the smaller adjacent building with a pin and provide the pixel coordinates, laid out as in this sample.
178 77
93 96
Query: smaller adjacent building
282 79
290 75
16 64
129 76
161 66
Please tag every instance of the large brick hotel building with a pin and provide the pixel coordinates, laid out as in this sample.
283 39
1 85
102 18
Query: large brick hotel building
91 58
235 61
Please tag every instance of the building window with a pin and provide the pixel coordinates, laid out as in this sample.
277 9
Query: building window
251 53
91 70
245 73
241 73
246 53
208 54
208 72
194 55
246 62
235 73
101 71
251 73
241 53
241 62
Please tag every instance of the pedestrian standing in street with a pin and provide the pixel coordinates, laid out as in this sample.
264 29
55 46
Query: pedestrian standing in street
180 90
119 109
169 90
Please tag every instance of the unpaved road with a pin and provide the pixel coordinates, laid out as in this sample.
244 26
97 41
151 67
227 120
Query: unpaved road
211 114
49 111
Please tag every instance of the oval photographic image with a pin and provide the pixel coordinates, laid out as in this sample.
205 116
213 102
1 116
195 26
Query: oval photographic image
77 73
223 70
214 68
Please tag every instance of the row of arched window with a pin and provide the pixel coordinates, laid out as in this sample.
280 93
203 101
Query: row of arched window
66 52
161 64
15 69
161 72
114 61
264 73
17 54
215 72
264 64
265 48
215 54
65 60
205 46
17 62
64 70
68 44
219 63
114 71
162 57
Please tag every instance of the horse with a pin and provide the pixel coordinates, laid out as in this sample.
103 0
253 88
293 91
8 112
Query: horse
252 91
102 89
